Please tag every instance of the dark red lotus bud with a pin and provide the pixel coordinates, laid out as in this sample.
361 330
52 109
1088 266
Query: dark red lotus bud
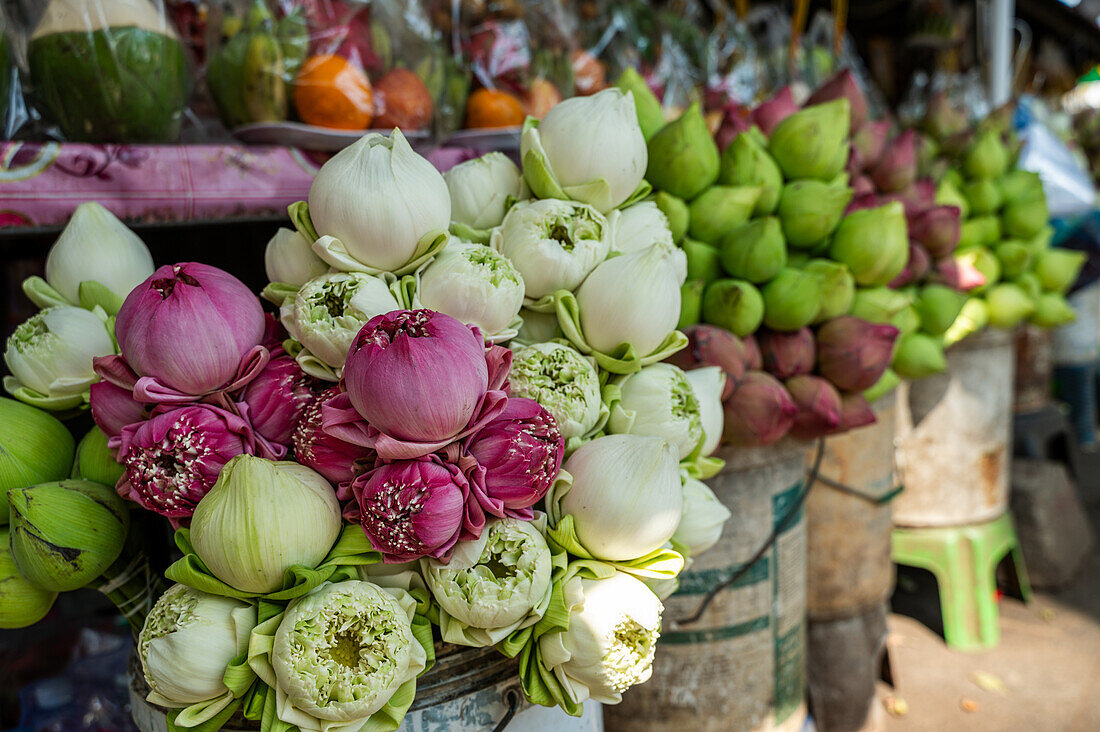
853 353
759 412
818 405
843 85
709 345
787 354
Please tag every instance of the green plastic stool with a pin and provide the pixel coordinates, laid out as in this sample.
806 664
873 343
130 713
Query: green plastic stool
964 561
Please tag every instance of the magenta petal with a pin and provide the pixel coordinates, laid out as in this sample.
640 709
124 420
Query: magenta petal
114 407
338 460
499 361
115 370
276 398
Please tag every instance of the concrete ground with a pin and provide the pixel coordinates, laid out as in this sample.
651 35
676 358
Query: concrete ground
1043 677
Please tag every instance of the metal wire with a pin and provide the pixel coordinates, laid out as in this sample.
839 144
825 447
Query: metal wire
511 697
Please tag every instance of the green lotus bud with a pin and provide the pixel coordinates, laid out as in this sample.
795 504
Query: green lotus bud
791 300
1052 310
918 355
691 303
874 243
676 211
651 116
986 158
719 210
1025 217
885 384
811 210
879 304
66 533
973 318
1014 256
1030 284
1020 184
34 448
756 251
983 260
95 461
683 158
907 321
1041 241
735 305
813 142
948 194
838 288
746 162
982 231
799 259
984 197
21 603
938 307
1057 269
702 261
1008 305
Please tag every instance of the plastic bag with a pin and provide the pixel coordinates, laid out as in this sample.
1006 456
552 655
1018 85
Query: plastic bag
1068 187
102 70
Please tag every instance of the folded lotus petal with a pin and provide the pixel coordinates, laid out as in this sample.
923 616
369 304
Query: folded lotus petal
336 459
115 370
391 448
114 407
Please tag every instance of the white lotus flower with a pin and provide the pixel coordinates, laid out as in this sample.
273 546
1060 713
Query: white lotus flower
494 585
186 643
632 298
702 518
554 244
329 311
639 227
474 284
480 189
289 258
614 624
563 381
50 356
374 203
659 401
588 149
97 247
708 383
625 497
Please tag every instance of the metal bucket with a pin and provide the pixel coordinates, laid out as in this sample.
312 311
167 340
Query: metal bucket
738 662
845 661
1034 366
848 524
953 435
467 690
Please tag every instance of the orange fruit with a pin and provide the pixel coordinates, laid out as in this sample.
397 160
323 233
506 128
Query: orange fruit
493 108
331 91
402 100
540 98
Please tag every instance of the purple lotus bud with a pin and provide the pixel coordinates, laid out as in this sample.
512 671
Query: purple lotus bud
854 412
114 407
410 508
759 412
958 273
870 141
190 327
521 452
735 120
897 168
754 360
917 198
709 345
843 85
172 459
862 186
865 201
770 113
916 268
337 460
855 165
277 398
818 405
787 353
936 229
417 375
853 353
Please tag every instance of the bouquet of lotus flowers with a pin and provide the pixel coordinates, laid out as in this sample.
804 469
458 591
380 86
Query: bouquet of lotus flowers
458 429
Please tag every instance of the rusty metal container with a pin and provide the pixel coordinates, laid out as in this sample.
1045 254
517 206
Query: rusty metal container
467 690
848 522
1034 366
954 432
844 661
732 658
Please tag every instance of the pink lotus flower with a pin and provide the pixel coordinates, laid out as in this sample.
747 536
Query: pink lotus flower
412 508
936 229
759 412
843 85
114 407
960 274
853 353
521 452
277 398
897 168
339 461
709 345
818 407
770 113
854 412
173 459
189 330
787 354
416 381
